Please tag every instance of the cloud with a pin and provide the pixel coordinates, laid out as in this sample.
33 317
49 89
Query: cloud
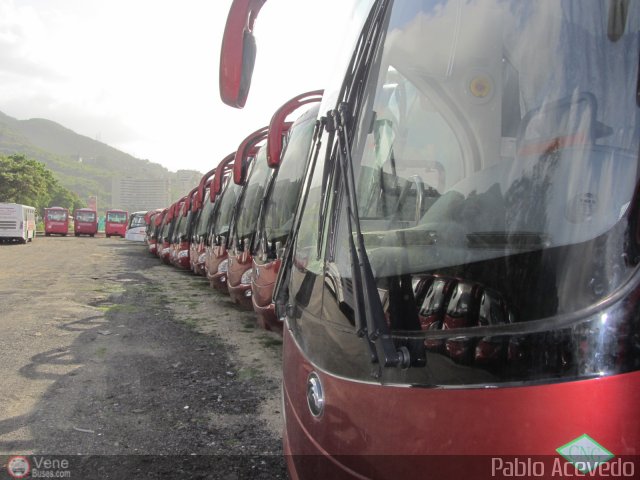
143 75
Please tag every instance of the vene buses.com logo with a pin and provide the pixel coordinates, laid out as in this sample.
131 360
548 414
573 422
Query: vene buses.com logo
18 467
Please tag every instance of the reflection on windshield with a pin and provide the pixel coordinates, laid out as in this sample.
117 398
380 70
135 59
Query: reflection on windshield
224 213
117 217
281 206
85 217
485 159
137 221
251 202
57 216
205 216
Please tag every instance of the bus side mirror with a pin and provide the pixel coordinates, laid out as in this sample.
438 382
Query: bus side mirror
246 151
278 126
238 54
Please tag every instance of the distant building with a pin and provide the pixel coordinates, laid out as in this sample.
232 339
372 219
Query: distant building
134 194
183 182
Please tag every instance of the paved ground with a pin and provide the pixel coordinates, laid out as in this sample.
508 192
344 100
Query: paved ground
104 351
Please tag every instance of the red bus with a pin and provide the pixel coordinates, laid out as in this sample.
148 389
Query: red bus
154 231
181 240
238 230
244 225
463 284
116 223
85 222
202 210
224 193
56 221
279 203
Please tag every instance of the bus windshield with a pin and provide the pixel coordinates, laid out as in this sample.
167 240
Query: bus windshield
136 220
281 206
224 212
117 217
497 150
204 219
246 222
86 217
57 215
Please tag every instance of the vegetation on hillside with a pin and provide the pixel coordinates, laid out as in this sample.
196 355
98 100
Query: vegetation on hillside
29 182
84 166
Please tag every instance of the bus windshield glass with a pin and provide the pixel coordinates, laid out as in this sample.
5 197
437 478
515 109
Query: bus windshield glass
89 217
281 207
57 215
204 219
137 220
497 150
224 213
246 222
117 217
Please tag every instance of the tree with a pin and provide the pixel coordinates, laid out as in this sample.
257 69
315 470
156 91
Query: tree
30 182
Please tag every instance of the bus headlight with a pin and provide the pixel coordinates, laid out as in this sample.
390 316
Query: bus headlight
245 279
224 266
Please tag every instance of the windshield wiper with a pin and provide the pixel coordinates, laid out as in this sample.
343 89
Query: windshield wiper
369 312
513 240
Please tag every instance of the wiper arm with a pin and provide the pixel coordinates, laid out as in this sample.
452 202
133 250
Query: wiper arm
369 313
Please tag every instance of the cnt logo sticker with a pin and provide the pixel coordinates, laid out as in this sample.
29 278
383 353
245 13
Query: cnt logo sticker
585 453
18 467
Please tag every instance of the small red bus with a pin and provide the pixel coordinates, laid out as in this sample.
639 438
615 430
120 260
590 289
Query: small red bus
56 221
116 223
85 222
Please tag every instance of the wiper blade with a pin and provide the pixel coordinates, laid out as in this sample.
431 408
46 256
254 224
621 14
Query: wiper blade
369 313
513 240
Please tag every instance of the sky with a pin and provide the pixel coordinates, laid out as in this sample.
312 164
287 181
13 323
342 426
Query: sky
142 75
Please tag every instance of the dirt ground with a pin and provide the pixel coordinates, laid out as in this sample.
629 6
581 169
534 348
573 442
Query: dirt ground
132 368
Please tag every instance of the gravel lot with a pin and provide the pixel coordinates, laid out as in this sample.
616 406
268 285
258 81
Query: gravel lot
137 367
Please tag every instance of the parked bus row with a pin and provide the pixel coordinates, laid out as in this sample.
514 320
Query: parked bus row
449 244
18 223
232 227
84 221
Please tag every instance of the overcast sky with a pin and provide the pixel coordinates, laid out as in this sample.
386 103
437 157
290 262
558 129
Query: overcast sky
142 75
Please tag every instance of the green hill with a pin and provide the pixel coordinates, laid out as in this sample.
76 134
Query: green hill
81 164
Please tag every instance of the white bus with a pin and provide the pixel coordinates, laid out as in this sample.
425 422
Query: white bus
137 228
17 223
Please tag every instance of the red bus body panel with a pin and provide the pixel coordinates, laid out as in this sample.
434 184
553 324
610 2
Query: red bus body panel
165 252
238 265
178 260
198 258
262 285
153 245
215 257
359 433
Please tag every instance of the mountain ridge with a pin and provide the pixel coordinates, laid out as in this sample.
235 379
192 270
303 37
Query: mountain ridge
85 166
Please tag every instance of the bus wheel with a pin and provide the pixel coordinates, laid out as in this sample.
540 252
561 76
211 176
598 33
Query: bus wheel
92 235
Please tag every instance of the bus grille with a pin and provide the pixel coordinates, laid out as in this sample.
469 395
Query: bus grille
8 225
